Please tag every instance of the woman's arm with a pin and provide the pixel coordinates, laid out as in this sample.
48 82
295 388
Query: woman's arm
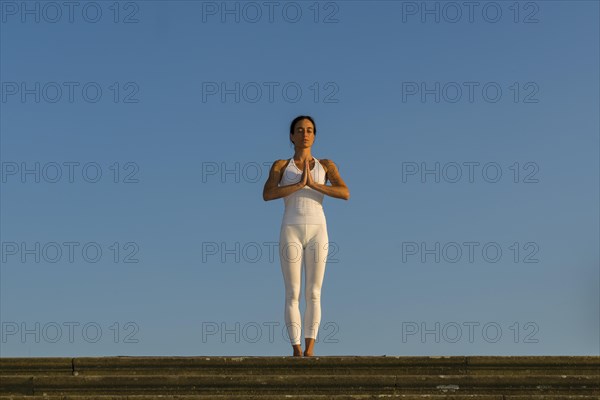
272 190
338 188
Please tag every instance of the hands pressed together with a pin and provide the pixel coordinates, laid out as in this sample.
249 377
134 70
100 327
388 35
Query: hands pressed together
307 179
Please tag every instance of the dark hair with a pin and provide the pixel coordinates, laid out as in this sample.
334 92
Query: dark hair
301 117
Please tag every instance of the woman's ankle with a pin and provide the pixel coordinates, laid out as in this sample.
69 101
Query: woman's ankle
297 350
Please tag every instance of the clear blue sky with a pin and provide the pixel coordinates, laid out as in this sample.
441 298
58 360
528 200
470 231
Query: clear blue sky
182 110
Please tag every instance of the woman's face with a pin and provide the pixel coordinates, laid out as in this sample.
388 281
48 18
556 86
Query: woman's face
304 135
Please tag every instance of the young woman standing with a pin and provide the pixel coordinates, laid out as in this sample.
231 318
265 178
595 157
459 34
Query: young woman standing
301 180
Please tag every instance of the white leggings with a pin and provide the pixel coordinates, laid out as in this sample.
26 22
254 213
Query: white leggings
308 242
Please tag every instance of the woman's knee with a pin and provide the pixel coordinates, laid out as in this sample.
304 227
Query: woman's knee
292 295
313 294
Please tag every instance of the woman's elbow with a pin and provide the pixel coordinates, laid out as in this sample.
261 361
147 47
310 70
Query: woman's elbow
267 195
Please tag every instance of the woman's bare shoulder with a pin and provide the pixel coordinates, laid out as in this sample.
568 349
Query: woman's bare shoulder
327 163
279 163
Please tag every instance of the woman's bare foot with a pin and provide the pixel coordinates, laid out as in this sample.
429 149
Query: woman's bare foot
297 350
310 343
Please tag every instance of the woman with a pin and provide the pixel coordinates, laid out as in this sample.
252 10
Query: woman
303 233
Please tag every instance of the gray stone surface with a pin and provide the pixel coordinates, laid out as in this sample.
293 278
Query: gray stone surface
343 377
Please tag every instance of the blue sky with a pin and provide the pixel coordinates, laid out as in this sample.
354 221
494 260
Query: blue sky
148 129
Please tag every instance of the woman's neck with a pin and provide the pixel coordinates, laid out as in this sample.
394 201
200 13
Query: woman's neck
303 155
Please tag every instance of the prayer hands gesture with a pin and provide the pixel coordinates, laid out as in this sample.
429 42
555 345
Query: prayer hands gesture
307 179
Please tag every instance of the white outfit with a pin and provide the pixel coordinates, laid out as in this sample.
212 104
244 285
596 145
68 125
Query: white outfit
303 236
304 206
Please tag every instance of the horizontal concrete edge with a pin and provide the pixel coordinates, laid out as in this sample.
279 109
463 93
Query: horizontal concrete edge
67 365
591 381
313 397
545 361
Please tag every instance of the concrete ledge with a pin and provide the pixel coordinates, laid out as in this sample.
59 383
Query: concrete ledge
146 365
554 377
310 397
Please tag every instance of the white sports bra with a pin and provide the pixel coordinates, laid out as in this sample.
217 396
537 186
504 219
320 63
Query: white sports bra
304 206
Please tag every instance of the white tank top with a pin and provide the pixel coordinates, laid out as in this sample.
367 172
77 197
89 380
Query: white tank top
304 206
